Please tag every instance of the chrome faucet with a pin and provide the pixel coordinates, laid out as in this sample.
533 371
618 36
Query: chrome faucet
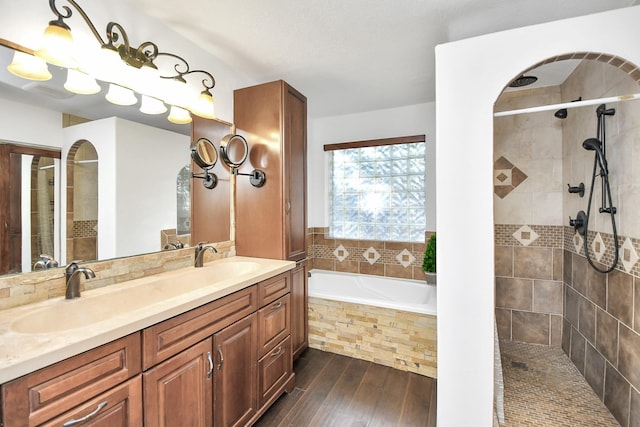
72 274
173 245
200 250
44 263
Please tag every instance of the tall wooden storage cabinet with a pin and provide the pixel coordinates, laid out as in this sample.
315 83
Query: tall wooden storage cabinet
271 221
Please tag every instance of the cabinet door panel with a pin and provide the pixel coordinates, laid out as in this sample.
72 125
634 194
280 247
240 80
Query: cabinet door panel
295 148
274 370
299 309
235 389
120 406
178 392
273 324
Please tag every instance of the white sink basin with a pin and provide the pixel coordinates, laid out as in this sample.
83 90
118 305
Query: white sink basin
63 315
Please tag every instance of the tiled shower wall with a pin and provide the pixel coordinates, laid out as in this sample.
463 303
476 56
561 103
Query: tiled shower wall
392 259
601 312
528 220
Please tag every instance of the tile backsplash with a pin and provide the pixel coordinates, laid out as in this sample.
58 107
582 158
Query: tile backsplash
392 259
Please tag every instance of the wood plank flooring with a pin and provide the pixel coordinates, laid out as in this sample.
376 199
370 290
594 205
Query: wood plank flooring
338 391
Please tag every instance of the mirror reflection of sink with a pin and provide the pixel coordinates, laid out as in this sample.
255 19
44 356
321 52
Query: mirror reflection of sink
63 315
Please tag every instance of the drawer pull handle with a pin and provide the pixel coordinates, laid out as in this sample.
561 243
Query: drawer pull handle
87 417
210 365
278 352
221 358
276 306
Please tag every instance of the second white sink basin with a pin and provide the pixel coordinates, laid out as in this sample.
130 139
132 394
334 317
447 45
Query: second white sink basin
62 315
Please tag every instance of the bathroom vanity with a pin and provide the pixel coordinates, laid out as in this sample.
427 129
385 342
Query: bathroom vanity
218 352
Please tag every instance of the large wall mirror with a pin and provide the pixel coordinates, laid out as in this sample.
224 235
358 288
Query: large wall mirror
142 163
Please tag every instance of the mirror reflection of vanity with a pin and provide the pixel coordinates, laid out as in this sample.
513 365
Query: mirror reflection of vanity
123 201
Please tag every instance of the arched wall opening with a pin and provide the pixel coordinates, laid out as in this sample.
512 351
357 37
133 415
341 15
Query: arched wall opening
546 291
465 219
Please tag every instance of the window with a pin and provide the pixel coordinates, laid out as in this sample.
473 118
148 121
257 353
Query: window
377 189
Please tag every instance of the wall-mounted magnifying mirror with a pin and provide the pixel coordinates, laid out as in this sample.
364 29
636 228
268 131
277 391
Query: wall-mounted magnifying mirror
205 155
234 151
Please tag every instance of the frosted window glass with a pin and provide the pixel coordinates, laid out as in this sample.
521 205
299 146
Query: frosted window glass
378 193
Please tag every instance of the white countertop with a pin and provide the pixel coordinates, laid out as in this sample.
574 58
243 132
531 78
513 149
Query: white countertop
115 311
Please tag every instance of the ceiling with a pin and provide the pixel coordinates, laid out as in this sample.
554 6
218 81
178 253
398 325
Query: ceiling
356 55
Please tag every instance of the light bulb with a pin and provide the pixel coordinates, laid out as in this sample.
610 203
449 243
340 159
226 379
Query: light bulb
57 47
150 105
204 106
179 115
29 67
120 95
81 83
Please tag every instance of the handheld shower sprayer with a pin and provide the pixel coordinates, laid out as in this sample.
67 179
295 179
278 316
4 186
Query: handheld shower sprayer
593 144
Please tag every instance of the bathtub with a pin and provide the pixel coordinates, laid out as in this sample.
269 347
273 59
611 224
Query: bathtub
384 320
399 294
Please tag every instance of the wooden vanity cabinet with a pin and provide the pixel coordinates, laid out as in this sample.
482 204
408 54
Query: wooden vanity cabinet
76 386
273 119
271 221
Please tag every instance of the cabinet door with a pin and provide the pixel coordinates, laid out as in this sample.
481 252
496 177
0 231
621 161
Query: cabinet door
299 308
235 389
274 370
295 174
178 392
273 324
120 406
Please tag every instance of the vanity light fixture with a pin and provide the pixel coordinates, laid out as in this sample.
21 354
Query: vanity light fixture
144 69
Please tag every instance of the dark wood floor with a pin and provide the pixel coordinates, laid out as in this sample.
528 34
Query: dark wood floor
338 391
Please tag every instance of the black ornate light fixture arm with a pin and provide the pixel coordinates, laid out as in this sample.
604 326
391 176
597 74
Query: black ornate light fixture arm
67 14
209 82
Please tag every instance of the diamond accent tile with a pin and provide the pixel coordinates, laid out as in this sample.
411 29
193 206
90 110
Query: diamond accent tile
525 235
598 247
506 177
341 253
405 258
628 255
371 255
578 242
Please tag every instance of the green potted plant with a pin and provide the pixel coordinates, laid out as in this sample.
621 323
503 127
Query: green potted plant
429 261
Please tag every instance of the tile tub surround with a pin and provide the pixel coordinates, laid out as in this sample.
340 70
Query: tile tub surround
391 259
22 289
399 339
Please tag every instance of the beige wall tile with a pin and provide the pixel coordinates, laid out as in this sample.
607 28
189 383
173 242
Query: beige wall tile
594 370
547 297
607 336
534 263
587 322
530 327
629 355
504 261
620 296
514 293
577 354
503 321
617 395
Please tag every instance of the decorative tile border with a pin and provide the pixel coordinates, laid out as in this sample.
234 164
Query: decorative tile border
391 259
541 236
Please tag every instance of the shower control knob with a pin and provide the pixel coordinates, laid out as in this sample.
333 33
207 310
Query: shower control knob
579 223
577 189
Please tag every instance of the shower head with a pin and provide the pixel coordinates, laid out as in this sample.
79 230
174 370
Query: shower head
593 144
561 113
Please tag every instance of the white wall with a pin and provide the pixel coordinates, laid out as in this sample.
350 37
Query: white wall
470 76
148 163
404 121
28 124
137 170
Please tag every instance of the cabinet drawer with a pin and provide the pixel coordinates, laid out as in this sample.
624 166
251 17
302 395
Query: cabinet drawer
273 324
274 370
272 289
54 390
168 338
120 406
